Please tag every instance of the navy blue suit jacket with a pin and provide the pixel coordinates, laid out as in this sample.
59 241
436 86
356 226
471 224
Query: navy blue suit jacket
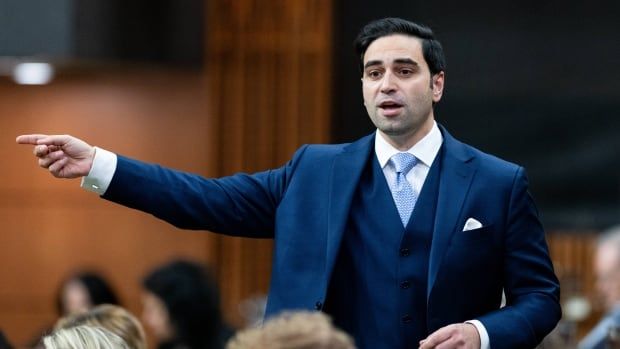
304 207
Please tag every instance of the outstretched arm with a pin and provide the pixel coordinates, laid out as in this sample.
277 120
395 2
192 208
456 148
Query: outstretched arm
63 155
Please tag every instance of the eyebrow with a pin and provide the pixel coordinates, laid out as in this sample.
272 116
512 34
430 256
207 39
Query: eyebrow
406 61
397 60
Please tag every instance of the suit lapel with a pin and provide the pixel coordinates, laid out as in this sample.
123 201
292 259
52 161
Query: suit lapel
457 172
345 176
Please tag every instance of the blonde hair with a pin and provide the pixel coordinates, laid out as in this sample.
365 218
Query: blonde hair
293 330
113 318
83 337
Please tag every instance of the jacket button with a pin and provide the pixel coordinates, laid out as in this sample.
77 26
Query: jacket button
404 252
405 284
318 305
407 319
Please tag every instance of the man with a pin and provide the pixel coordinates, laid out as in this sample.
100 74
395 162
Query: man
348 240
607 271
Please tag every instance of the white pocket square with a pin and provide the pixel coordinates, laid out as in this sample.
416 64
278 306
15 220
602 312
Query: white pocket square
472 224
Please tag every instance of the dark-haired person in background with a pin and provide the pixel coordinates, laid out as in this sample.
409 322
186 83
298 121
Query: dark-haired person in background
4 343
404 236
82 291
78 293
182 307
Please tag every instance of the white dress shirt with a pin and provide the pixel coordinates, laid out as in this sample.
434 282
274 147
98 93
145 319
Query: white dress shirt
425 151
101 173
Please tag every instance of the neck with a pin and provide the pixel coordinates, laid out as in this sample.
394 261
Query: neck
404 142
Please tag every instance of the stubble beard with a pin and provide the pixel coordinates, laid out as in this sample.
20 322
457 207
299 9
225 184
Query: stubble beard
393 126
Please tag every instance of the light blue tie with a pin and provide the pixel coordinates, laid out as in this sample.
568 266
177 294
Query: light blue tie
402 192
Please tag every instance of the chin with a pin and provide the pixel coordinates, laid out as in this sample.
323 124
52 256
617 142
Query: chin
394 132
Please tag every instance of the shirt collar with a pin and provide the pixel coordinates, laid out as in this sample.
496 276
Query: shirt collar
425 150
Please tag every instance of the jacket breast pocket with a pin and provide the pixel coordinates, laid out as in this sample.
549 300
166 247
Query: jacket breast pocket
474 250
475 235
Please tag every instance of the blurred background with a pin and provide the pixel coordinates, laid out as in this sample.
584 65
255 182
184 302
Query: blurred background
220 86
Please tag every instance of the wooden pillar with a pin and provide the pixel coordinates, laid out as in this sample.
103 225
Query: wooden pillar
269 74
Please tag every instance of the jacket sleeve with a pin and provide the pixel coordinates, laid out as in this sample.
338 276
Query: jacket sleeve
532 290
238 205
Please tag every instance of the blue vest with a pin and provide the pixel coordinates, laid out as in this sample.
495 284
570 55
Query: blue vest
379 282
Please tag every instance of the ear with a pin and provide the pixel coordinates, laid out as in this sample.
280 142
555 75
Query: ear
438 83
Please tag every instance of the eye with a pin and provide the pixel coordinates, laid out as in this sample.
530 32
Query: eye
374 74
406 72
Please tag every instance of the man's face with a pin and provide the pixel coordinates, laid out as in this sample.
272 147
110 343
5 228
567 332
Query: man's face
607 269
398 89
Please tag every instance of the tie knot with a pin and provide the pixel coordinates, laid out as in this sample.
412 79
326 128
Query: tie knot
403 162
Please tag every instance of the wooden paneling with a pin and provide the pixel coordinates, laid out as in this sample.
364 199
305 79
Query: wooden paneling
572 253
266 92
51 227
268 68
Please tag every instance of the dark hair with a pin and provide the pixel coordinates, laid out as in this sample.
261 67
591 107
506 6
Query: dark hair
431 48
99 291
193 303
4 343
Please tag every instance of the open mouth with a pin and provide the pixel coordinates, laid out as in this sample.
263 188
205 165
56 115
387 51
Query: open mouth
390 107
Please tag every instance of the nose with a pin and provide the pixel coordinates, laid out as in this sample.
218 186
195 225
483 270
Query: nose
388 84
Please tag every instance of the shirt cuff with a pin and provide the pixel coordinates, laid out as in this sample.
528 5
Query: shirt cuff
482 331
101 172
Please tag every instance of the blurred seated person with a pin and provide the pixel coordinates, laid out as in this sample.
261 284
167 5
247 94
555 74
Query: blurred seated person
113 318
607 271
77 294
4 343
182 307
293 330
82 291
83 337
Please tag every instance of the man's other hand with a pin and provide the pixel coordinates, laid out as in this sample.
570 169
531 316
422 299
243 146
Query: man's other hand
461 336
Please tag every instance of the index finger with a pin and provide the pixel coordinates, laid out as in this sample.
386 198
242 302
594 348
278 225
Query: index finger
36 139
29 139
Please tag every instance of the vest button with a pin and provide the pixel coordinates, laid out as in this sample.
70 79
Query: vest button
318 305
405 252
405 284
407 319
